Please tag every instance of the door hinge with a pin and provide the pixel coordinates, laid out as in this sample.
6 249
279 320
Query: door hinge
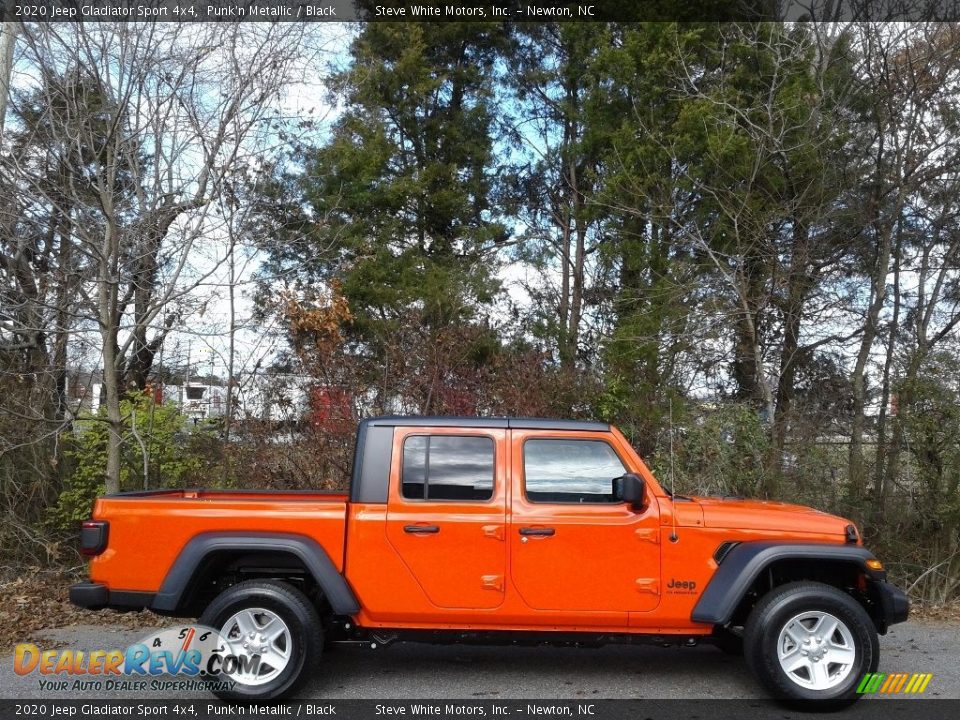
493 531
650 535
648 585
492 582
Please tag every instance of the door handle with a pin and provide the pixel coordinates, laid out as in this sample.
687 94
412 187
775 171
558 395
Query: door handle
421 529
538 531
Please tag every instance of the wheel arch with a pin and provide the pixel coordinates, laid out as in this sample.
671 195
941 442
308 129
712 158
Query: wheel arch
751 568
209 552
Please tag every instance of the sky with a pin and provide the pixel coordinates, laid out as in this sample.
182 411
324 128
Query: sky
203 336
206 338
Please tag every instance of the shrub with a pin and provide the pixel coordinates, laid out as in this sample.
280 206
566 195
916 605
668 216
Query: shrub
718 450
151 432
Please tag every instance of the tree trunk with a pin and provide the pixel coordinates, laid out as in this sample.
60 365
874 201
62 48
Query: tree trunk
8 40
109 327
111 396
881 480
579 263
857 474
231 358
566 357
747 370
799 287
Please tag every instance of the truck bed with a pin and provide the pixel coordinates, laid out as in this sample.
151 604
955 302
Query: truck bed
210 494
148 529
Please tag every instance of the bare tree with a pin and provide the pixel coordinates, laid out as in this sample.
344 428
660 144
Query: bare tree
771 179
164 116
8 41
553 80
910 74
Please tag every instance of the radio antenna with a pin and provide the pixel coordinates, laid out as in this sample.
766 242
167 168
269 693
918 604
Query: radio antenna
673 490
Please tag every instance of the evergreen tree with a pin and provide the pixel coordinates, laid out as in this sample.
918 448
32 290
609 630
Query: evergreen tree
402 199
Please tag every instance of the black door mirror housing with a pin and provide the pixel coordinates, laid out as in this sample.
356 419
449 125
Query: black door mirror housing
629 488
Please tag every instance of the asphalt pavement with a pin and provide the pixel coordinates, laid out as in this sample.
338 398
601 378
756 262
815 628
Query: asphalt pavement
421 672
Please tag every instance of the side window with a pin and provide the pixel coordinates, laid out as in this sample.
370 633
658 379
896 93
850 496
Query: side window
570 471
447 467
414 474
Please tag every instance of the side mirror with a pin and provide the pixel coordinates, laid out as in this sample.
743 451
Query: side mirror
629 488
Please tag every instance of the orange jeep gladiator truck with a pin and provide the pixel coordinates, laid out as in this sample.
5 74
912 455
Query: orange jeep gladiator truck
498 530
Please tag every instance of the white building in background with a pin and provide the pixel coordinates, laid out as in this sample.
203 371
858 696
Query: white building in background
194 400
276 397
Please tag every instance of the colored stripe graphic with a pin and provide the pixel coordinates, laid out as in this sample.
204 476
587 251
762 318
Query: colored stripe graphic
894 683
891 680
903 679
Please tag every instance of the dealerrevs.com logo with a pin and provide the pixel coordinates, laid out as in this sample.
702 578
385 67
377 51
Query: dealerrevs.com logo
196 656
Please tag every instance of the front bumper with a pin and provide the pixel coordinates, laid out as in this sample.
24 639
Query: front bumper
96 596
893 605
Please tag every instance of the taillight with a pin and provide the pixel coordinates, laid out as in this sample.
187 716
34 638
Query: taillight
93 536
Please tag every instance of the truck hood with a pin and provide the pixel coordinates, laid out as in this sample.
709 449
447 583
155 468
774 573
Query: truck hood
768 515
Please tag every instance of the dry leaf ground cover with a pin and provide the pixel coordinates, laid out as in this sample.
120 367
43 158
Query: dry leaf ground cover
39 601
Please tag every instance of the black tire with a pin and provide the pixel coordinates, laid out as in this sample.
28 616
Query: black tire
728 641
776 610
301 619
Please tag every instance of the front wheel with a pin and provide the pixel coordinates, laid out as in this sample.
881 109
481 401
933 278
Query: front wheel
809 641
274 630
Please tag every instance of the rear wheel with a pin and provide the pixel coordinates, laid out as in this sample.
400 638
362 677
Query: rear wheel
810 641
275 631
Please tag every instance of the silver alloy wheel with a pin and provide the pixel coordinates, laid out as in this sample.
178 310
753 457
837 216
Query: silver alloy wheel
262 639
816 650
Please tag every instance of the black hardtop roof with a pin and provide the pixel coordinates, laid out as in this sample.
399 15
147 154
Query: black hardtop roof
519 423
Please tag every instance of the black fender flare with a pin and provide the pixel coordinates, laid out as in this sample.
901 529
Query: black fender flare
744 563
307 550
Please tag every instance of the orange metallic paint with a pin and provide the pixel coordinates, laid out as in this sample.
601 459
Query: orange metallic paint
147 533
602 557
464 563
607 568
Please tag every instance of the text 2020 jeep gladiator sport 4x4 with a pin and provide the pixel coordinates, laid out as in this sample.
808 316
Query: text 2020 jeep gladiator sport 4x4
498 530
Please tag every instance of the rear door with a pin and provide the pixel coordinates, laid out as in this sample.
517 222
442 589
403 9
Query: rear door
446 513
573 545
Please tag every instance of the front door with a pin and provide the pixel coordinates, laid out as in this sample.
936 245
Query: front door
446 513
573 545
